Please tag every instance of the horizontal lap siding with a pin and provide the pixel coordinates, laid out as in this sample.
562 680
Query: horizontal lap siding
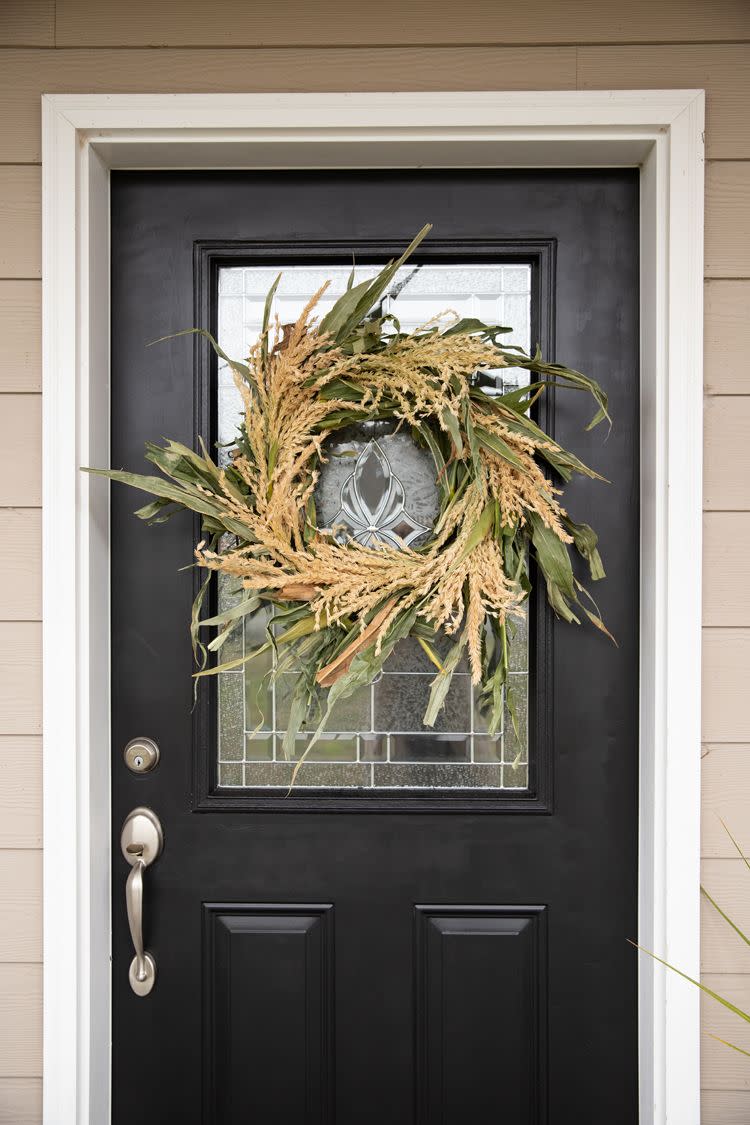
24 73
295 45
28 23
20 1101
31 24
727 336
420 22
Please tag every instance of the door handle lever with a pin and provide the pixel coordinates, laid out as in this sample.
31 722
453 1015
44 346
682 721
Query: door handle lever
141 841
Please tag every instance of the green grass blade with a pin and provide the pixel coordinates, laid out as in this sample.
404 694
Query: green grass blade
739 850
732 1045
726 917
704 988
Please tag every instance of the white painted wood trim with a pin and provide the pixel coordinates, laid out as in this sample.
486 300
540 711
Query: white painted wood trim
84 136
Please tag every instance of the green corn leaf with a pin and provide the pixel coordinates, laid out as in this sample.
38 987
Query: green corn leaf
453 427
425 434
181 494
470 326
234 613
232 665
586 539
495 444
266 320
492 696
479 531
199 649
221 638
158 511
429 651
558 372
440 685
158 487
297 711
353 306
510 703
301 629
473 442
552 557
240 368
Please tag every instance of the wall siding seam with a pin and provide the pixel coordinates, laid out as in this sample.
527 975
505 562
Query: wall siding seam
469 45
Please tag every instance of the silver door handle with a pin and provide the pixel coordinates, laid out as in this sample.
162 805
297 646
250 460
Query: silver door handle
141 841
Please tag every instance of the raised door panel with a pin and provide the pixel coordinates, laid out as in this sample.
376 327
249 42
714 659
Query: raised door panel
481 1014
268 1013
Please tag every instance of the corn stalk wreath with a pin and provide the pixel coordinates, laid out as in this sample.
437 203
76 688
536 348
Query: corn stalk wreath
339 608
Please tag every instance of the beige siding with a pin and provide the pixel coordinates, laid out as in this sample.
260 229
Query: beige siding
726 452
21 896
20 221
20 791
21 564
727 337
20 1020
20 335
28 23
726 549
24 73
724 1069
20 461
726 653
295 45
340 23
725 1107
725 787
727 881
20 677
728 218
721 70
20 1101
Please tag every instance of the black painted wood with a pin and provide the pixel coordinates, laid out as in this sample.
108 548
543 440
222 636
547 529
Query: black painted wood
481 1015
268 1048
579 861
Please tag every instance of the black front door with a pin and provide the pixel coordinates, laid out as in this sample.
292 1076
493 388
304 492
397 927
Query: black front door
432 927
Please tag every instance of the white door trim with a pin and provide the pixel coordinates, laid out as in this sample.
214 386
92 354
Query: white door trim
86 135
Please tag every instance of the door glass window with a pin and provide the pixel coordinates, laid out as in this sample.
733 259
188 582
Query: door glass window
377 485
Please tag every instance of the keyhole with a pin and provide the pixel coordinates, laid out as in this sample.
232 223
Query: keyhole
141 755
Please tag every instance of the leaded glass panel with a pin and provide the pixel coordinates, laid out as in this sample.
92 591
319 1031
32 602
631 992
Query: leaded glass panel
377 487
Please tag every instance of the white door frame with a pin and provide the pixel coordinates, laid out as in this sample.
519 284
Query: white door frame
86 135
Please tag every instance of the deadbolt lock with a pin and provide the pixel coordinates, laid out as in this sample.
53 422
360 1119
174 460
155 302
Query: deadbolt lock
141 755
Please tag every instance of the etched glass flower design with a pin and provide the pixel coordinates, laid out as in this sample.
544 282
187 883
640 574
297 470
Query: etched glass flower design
372 508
